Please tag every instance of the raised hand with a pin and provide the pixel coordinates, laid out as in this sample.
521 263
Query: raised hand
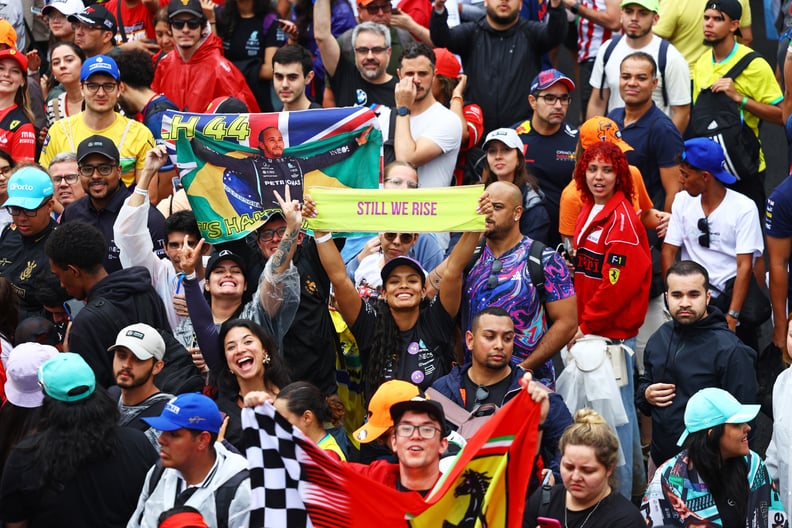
189 256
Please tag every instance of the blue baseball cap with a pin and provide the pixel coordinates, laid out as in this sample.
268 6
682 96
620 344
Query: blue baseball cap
711 407
67 377
548 78
99 64
188 411
28 187
705 154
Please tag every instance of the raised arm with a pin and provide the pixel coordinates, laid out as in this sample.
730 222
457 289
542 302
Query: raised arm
275 287
329 49
451 293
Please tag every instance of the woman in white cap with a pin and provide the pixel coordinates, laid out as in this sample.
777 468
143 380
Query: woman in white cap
716 480
506 162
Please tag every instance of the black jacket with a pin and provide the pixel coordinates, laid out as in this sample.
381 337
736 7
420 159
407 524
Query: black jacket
500 64
119 300
693 357
22 261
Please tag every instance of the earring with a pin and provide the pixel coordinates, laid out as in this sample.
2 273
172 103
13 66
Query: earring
267 359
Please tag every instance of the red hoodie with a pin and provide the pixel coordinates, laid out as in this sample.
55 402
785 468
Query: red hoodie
613 270
193 84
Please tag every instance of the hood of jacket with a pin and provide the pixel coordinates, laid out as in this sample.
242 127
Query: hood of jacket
207 47
122 284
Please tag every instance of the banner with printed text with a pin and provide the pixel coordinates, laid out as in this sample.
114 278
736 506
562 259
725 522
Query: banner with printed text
397 210
232 164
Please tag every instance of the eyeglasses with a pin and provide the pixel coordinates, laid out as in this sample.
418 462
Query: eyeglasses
94 87
266 235
703 226
4 171
54 15
552 99
374 9
398 182
13 210
376 50
70 178
404 238
86 27
406 430
492 280
104 169
192 23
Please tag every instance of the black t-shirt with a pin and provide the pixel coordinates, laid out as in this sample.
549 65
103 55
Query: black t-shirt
495 392
102 494
350 89
426 351
614 511
247 41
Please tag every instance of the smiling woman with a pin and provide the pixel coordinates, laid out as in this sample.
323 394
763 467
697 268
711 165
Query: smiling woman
20 141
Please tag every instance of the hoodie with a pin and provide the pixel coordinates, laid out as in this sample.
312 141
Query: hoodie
119 300
692 357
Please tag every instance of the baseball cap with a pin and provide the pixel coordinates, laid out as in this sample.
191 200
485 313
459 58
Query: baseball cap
507 136
8 34
705 154
192 410
393 263
16 55
65 7
142 340
710 407
730 7
28 187
224 255
185 6
99 64
22 388
446 63
548 78
96 16
651 5
379 417
97 144
602 129
67 377
420 404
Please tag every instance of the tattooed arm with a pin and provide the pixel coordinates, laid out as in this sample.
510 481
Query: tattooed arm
279 270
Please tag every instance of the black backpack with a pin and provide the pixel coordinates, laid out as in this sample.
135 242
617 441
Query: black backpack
717 117
661 65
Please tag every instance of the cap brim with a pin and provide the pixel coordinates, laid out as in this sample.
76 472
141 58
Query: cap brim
20 398
162 423
24 203
394 263
369 432
95 151
623 145
746 414
78 17
680 442
184 10
725 177
139 353
430 407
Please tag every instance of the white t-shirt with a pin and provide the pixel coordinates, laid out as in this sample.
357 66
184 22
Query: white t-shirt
734 230
444 128
677 73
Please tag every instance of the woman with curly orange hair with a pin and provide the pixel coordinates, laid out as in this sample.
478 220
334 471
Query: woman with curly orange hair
613 272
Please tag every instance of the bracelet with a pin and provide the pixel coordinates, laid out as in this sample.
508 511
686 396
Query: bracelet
141 192
574 8
733 313
324 238
212 23
744 102
458 97
191 276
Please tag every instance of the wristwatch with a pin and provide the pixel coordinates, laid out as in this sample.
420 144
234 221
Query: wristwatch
402 111
733 313
574 8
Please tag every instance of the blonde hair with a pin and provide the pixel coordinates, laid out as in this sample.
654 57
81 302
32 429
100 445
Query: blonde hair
590 429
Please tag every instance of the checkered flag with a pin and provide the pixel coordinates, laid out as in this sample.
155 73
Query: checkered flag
293 482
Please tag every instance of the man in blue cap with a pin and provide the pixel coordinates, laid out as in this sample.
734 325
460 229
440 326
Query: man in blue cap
716 227
22 256
194 468
100 78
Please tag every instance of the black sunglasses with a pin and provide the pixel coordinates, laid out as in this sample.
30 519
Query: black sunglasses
492 280
192 23
703 226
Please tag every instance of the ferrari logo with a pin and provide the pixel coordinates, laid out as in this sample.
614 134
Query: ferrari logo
613 275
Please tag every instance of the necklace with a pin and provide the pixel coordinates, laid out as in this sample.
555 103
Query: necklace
587 516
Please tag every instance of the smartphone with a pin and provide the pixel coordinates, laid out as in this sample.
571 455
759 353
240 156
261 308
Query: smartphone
546 522
73 307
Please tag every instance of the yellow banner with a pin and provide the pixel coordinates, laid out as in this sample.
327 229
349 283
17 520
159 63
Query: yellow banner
397 210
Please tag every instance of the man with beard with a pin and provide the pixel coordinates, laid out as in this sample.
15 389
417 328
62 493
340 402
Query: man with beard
427 134
137 358
501 277
693 351
366 81
755 89
672 93
501 54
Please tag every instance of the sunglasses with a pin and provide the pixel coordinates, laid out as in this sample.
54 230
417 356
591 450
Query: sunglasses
192 23
703 226
374 9
404 238
492 280
398 182
376 50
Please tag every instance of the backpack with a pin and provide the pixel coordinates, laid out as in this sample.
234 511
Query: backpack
661 64
223 495
717 117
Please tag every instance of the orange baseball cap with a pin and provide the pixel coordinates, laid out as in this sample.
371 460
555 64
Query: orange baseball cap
379 417
602 129
8 35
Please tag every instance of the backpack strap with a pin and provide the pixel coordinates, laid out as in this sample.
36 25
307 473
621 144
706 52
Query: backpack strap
662 60
743 63
225 494
536 269
608 51
153 480
120 22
